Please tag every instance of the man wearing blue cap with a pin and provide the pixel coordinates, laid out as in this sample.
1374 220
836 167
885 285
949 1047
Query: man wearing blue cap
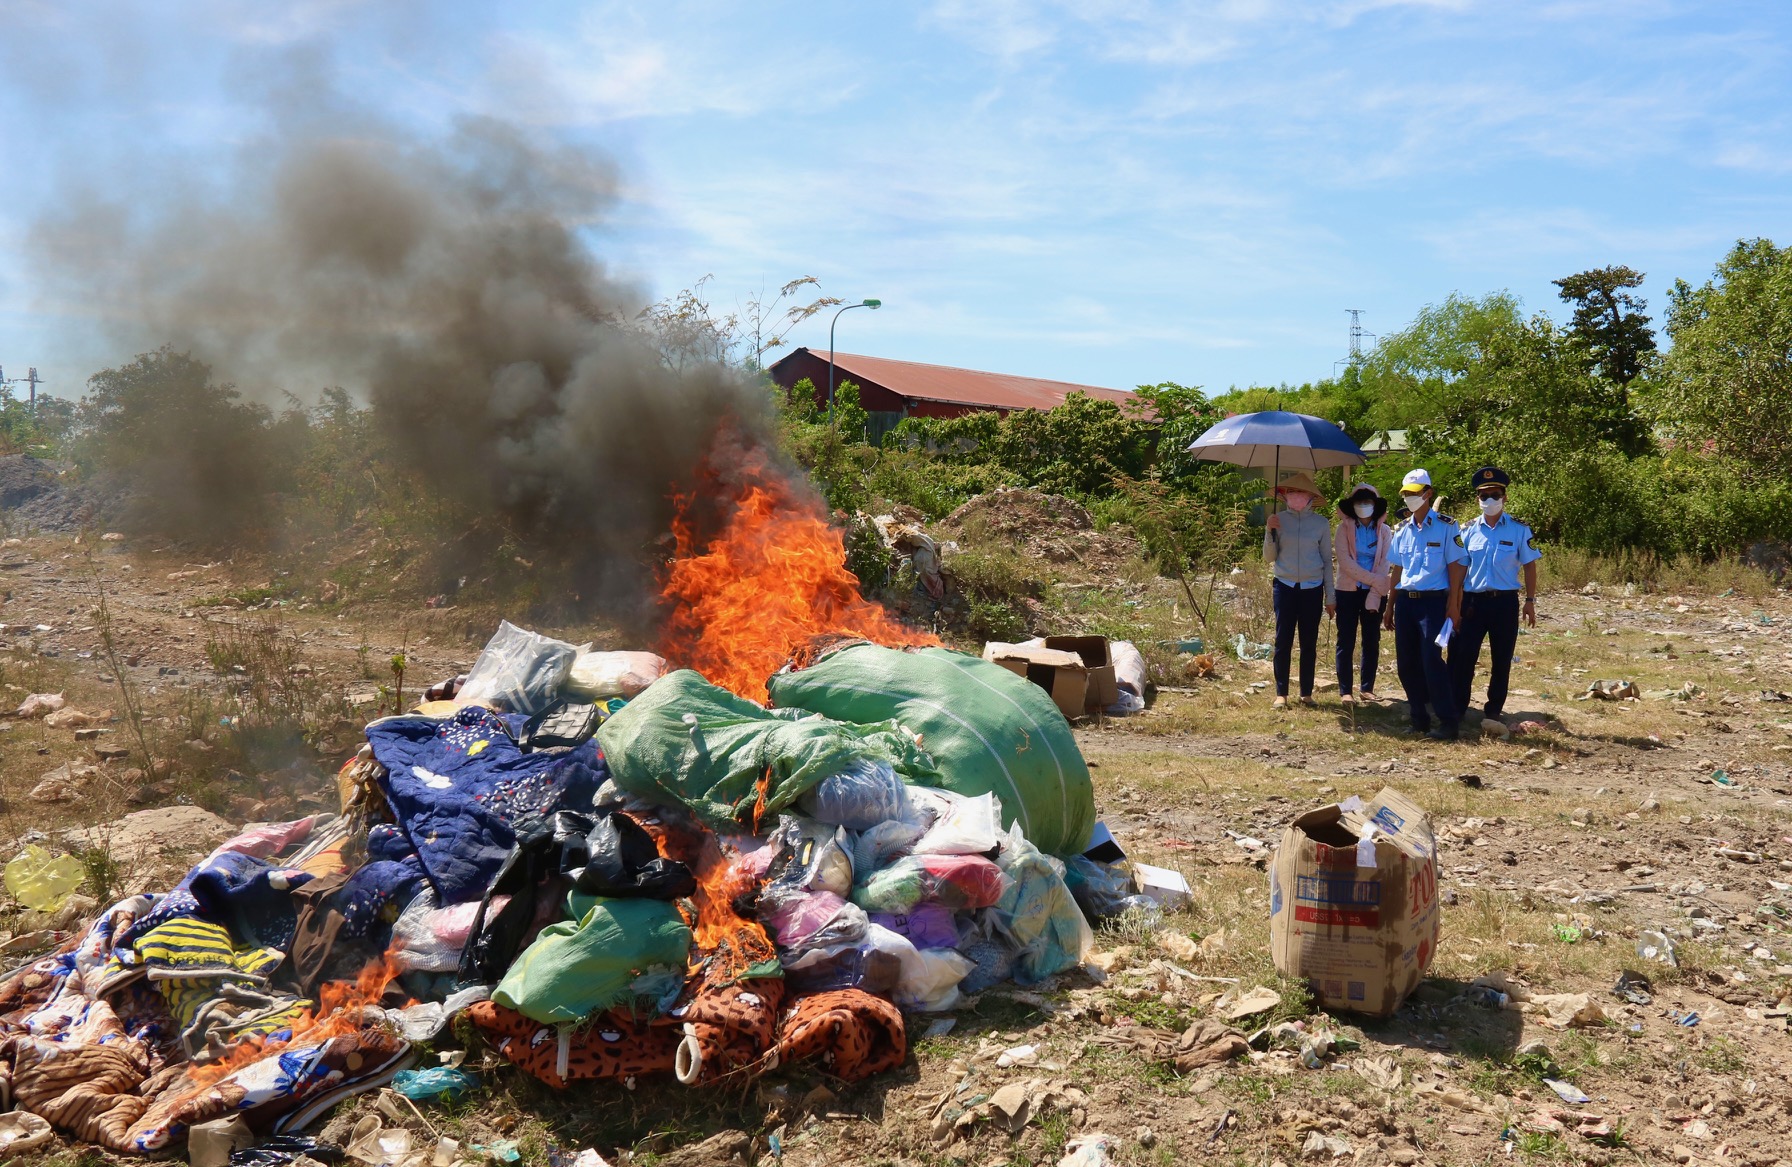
1425 559
1498 546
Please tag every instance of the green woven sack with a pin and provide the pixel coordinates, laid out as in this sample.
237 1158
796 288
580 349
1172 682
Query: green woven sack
582 966
986 729
684 741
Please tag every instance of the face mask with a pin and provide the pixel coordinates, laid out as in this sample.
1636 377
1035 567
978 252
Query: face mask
1364 509
1297 502
1492 506
1413 501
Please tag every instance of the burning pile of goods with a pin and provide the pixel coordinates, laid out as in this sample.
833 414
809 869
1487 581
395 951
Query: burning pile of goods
611 867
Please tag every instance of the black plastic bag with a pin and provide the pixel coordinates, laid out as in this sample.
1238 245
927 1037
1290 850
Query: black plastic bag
280 1150
624 863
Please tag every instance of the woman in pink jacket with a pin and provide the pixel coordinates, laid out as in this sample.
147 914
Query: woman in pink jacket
1360 549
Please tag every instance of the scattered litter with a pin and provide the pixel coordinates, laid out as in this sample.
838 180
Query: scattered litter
1020 1055
1207 1042
938 1027
1090 1150
1567 1091
1566 933
1384 1073
39 705
1234 1006
41 881
1322 1146
1245 649
1610 691
1567 1010
1722 778
1633 987
21 1131
1657 946
438 1084
1166 888
1684 1020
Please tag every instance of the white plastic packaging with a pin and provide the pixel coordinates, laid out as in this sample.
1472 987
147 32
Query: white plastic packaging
930 976
965 826
599 675
518 671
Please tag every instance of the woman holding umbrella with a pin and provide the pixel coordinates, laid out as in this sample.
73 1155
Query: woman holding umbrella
1297 543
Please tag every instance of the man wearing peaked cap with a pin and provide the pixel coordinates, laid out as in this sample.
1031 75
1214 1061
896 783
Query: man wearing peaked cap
1426 560
1499 548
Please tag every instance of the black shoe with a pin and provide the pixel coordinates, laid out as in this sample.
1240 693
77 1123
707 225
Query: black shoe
1417 730
1442 733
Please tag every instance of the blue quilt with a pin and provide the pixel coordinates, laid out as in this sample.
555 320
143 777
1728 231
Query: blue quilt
459 787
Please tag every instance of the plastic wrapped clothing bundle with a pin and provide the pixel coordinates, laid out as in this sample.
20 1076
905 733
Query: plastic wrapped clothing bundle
883 844
985 729
960 825
929 976
686 742
1037 914
809 856
860 797
518 671
1102 890
924 925
595 675
956 882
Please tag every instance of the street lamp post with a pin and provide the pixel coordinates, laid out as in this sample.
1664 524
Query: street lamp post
834 321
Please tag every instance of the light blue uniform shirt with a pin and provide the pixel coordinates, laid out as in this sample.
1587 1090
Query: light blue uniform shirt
1365 548
1424 552
1496 553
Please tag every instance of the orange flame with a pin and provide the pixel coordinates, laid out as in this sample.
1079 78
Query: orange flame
773 581
339 1011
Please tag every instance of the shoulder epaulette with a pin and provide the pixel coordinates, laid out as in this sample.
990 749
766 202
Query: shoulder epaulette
1445 518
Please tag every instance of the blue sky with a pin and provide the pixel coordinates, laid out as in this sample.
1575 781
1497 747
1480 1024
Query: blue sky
1105 191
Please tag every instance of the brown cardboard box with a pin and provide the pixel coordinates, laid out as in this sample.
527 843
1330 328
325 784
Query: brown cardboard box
1062 674
1353 902
1104 688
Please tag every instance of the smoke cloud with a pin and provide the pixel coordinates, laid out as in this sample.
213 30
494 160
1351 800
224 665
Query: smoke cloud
447 283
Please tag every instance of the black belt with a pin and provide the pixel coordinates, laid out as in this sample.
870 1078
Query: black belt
1414 594
1494 592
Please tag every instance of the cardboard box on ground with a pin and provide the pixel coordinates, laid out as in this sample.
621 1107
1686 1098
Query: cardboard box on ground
1078 671
1353 902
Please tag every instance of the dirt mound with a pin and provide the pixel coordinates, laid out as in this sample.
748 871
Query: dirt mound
24 478
1049 527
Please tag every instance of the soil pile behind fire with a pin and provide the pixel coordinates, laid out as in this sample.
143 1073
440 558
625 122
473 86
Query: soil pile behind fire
1043 526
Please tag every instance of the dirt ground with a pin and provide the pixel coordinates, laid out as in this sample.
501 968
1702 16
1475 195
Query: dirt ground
1596 821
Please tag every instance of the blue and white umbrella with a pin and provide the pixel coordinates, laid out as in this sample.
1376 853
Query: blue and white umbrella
1278 440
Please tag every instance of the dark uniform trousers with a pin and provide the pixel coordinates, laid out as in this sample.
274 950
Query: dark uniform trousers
1493 616
1418 618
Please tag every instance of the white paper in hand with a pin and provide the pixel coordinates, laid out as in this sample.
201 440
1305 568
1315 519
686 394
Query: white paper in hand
1444 633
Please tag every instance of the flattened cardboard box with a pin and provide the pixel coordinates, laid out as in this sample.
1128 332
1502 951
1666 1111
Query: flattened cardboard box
1353 902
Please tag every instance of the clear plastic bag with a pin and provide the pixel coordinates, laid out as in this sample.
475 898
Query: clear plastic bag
41 881
809 856
930 976
1037 914
430 938
965 826
814 920
1102 890
518 671
843 966
613 674
859 797
883 844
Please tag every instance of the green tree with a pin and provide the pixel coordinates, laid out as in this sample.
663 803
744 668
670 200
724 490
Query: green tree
194 461
1608 323
1727 381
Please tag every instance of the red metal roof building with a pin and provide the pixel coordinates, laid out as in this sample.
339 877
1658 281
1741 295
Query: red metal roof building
913 389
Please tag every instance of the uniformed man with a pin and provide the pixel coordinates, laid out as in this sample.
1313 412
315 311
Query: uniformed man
1498 545
1426 560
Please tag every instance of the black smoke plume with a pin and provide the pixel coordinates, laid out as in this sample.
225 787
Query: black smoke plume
451 285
